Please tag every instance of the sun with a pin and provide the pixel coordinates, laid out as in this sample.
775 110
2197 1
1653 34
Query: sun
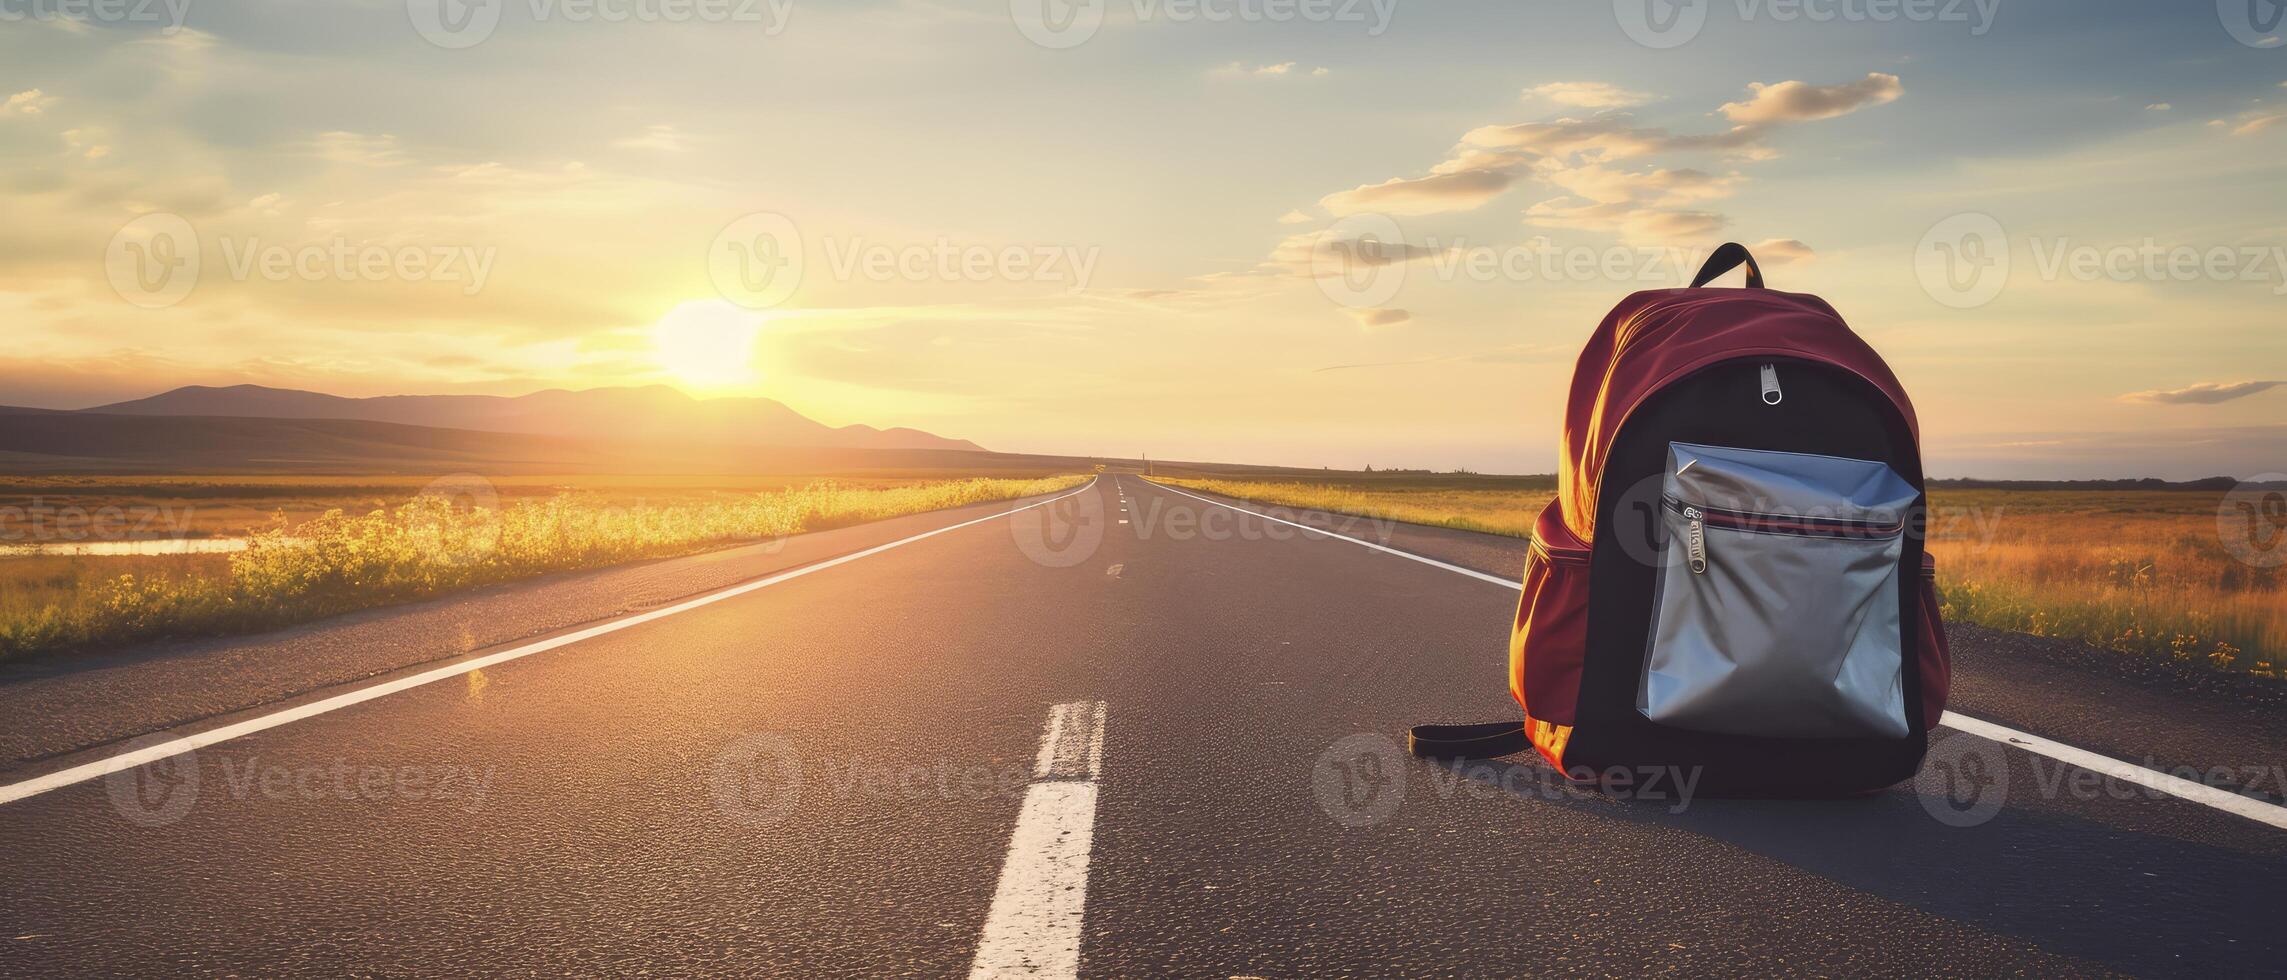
708 345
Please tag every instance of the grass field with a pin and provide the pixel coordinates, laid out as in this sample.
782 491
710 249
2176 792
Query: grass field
78 508
2140 572
330 546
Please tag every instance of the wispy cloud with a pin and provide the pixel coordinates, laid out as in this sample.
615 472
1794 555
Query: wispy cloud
1240 69
1383 317
29 102
1459 190
2204 393
2258 124
1587 95
357 148
661 138
1794 101
1780 251
1578 156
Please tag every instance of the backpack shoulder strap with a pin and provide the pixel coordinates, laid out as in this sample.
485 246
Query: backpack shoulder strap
1479 741
1725 258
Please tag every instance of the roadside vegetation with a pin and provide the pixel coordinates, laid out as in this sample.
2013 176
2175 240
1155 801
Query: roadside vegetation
2142 573
457 536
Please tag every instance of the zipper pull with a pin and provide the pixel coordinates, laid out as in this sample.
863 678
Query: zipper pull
1771 394
1695 540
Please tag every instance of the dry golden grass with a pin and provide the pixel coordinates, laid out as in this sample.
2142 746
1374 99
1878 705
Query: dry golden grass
2140 572
1493 510
342 560
68 508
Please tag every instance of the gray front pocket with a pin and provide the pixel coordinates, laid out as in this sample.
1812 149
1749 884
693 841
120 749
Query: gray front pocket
1777 612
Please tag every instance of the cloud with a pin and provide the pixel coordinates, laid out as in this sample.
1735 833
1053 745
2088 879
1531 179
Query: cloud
1323 253
1577 155
1628 220
2159 107
661 138
1295 218
29 102
1635 205
2204 393
1780 251
357 148
1459 190
1654 187
1587 95
1238 69
2259 124
1794 101
88 142
1381 317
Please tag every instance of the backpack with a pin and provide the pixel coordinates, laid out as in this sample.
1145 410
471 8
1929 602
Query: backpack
1731 578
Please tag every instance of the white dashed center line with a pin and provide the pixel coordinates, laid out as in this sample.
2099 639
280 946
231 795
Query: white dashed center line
1033 929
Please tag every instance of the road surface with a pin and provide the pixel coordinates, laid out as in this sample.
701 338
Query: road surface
1131 732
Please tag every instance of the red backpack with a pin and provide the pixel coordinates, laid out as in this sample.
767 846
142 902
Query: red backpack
1732 579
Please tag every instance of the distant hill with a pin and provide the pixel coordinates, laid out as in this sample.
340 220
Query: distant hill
35 441
629 415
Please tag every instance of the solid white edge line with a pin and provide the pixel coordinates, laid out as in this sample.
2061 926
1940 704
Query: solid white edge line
1471 572
2184 789
2127 772
1033 927
83 772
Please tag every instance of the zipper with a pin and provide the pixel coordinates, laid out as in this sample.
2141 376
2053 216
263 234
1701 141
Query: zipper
1695 541
1738 520
1771 393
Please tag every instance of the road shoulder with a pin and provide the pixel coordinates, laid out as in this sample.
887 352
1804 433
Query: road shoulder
90 700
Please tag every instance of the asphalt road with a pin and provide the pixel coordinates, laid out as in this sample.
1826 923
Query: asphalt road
843 772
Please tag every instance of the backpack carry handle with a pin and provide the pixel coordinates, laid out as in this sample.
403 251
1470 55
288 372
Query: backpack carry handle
1723 260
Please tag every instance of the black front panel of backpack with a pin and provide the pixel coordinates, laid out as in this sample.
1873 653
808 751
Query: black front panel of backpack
1823 411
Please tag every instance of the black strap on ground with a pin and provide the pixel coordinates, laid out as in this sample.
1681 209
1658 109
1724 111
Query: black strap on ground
1480 741
1725 258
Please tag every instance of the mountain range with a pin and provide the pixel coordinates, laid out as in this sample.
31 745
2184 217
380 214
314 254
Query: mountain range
627 415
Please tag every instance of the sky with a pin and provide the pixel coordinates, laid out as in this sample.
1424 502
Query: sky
1307 232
